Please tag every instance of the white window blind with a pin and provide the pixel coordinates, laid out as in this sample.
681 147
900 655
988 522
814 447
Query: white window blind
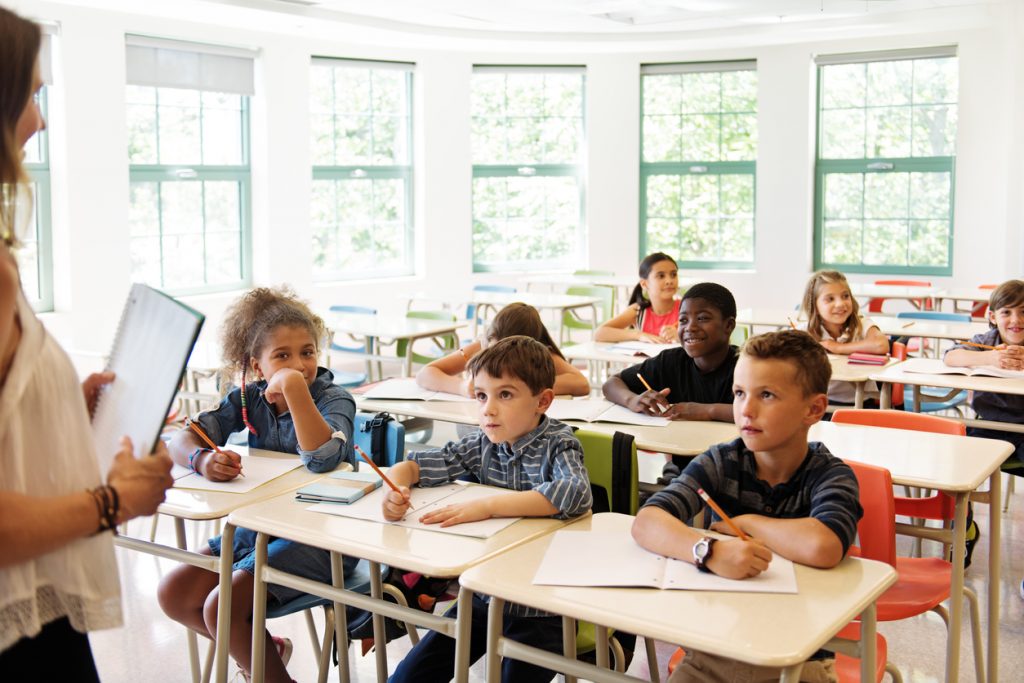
195 66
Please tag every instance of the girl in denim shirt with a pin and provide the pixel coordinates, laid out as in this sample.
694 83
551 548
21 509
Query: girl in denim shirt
293 406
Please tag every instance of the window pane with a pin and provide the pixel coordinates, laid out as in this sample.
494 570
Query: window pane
222 129
179 140
359 225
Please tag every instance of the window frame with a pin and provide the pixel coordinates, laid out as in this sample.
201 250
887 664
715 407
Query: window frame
40 175
576 171
188 173
869 165
679 169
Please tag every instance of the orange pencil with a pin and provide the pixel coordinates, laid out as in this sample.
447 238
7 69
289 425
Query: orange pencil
209 442
644 382
721 513
791 323
907 325
371 463
980 346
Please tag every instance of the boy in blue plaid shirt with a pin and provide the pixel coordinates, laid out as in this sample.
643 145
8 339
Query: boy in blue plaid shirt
519 448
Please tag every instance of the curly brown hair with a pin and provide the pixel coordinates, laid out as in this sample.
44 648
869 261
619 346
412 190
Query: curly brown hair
254 315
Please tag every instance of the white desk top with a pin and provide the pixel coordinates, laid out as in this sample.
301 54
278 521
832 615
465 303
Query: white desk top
201 505
865 289
889 324
388 327
535 299
679 437
996 385
844 371
593 350
936 461
761 628
428 552
965 294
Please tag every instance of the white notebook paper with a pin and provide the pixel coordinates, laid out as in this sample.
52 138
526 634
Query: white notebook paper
423 500
613 558
935 366
153 342
406 389
600 410
258 471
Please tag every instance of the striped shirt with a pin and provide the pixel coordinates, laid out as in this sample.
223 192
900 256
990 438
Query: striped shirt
548 460
823 488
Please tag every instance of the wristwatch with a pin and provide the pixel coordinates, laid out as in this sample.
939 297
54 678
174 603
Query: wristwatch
702 550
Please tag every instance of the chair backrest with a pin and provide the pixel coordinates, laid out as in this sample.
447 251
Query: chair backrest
979 308
611 464
899 419
875 305
936 315
354 310
899 352
876 530
368 432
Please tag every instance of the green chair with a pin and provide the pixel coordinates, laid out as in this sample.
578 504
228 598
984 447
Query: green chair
611 464
571 321
442 345
602 273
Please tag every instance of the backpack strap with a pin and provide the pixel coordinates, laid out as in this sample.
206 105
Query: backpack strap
378 428
622 464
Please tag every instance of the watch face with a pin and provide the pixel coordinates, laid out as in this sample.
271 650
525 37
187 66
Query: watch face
700 550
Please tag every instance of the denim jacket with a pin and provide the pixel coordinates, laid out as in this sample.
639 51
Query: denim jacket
277 432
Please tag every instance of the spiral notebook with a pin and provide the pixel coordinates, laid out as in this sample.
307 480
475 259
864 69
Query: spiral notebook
153 343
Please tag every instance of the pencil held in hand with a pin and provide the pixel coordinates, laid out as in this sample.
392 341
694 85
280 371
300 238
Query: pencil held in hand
371 463
979 346
721 513
208 441
648 386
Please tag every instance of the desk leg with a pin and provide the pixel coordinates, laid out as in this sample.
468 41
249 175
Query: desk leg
885 394
868 649
858 395
340 625
494 623
227 539
791 674
956 588
601 642
994 548
569 643
259 611
190 635
380 644
463 622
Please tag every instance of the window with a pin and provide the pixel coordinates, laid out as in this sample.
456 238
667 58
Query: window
884 180
698 158
35 257
528 146
362 168
188 146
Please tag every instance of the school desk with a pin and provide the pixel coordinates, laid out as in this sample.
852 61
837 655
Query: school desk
378 329
622 284
599 357
957 465
962 295
430 553
780 630
557 303
201 506
890 325
680 437
909 293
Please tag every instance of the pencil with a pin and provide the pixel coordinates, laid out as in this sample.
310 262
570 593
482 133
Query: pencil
980 346
371 463
907 325
791 323
644 382
209 442
721 513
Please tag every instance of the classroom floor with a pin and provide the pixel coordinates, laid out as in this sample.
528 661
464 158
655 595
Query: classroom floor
152 648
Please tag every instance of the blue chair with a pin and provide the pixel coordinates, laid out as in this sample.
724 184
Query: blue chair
358 581
471 309
934 399
341 377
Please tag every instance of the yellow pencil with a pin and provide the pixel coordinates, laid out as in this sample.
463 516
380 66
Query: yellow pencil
371 463
791 323
209 442
980 346
721 513
644 382
907 325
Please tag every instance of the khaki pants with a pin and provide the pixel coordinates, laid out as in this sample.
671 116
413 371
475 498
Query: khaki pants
698 667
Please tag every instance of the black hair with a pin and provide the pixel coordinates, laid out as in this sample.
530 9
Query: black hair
637 297
715 294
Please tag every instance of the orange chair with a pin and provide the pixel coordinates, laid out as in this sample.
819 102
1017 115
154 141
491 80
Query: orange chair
979 308
923 583
899 352
875 305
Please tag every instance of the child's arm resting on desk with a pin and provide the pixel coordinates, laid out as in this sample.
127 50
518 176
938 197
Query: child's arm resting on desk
873 342
188 450
335 409
660 532
708 412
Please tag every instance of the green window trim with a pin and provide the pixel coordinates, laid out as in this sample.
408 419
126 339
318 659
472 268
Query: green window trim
867 166
339 173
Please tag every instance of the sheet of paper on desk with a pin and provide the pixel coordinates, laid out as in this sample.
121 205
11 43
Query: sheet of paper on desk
610 558
406 389
935 366
424 500
258 471
635 348
600 410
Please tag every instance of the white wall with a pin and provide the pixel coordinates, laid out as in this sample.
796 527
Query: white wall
90 183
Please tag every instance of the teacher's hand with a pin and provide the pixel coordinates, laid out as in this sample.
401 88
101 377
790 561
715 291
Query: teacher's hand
140 482
92 386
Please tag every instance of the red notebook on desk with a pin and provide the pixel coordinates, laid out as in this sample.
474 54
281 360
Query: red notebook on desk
867 359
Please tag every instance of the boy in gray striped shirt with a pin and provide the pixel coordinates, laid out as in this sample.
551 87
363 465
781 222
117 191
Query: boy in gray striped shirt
519 448
791 497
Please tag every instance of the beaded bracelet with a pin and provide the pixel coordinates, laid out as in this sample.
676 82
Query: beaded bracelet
108 504
192 458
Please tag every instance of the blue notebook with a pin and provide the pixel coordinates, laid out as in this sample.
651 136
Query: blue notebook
340 487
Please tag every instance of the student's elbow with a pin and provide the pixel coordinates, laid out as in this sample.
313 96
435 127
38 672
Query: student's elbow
572 383
612 388
645 526
824 551
604 333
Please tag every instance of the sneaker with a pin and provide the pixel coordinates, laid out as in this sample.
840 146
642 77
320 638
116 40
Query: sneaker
284 648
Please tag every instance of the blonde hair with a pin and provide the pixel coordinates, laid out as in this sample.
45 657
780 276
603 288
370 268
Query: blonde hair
254 316
852 327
